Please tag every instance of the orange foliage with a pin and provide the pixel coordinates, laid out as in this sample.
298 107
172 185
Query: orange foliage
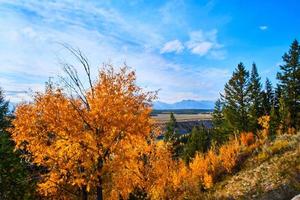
105 141
247 139
84 143
205 168
264 121
229 154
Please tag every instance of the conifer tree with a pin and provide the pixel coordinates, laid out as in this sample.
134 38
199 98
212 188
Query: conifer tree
218 118
284 115
236 100
15 182
171 132
268 98
219 134
289 81
256 99
199 141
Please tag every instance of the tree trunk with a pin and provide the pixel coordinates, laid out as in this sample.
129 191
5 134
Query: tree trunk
84 193
99 187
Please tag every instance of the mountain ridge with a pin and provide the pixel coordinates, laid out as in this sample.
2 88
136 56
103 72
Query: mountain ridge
184 104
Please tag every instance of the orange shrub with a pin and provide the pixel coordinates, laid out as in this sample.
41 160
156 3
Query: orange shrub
198 166
229 155
208 180
205 168
247 139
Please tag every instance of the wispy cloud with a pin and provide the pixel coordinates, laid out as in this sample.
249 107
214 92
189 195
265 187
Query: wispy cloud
30 51
172 46
263 27
205 43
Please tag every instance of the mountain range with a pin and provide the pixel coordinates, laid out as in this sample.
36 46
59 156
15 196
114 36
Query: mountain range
184 104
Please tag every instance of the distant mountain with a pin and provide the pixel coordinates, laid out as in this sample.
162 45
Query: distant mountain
184 104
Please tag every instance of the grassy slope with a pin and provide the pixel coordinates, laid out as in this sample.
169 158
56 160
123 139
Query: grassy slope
273 172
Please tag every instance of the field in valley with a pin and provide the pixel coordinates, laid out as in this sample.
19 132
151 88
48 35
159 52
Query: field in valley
165 117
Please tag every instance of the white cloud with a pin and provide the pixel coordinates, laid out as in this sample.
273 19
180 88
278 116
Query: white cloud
205 43
29 49
263 28
172 46
200 48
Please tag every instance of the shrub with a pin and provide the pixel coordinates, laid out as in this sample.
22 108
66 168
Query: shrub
247 139
229 155
278 146
262 156
264 121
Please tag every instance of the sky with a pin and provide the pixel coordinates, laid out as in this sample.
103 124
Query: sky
185 49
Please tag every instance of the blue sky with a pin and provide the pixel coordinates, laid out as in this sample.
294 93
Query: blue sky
187 49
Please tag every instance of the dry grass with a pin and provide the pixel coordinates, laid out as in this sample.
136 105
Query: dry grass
163 118
273 174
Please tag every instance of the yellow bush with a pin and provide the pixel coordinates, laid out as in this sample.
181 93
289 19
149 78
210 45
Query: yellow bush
264 121
205 167
229 155
262 156
207 180
278 146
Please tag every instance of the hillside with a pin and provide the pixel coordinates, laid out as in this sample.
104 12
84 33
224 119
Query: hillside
273 172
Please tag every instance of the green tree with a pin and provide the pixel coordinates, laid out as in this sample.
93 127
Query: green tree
219 134
236 100
218 117
284 115
289 81
199 141
171 129
268 97
15 182
256 98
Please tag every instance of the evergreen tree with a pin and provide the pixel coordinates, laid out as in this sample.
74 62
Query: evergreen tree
274 120
255 94
275 115
268 98
219 134
171 136
14 178
289 81
171 132
284 115
236 100
199 141
277 95
218 118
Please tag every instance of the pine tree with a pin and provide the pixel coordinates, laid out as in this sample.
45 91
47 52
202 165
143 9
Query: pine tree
256 98
218 118
274 120
219 134
171 132
199 141
284 115
236 100
14 178
289 81
268 98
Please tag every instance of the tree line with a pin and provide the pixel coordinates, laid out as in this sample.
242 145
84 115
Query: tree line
244 101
